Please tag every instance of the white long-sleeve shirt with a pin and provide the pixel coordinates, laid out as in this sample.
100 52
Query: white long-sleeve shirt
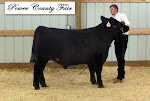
122 17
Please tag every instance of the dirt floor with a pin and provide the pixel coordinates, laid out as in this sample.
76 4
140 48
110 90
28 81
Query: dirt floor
69 85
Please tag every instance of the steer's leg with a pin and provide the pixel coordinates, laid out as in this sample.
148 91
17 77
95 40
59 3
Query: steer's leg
38 68
42 79
92 72
36 75
99 79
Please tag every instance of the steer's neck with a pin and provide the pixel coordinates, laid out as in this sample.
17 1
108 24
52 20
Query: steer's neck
106 34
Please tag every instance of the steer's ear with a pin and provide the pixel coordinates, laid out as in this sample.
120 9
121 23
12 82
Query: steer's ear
105 21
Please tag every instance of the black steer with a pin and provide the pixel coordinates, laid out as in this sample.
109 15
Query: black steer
72 47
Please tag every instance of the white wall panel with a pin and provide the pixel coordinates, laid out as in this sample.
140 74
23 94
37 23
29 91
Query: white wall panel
2 50
2 18
18 48
84 15
141 53
9 50
28 41
148 47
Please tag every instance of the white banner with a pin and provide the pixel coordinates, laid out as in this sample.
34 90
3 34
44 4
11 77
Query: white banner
39 7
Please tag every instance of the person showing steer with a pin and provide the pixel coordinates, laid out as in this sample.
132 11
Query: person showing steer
72 47
120 43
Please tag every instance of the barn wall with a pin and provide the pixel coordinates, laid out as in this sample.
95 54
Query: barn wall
18 48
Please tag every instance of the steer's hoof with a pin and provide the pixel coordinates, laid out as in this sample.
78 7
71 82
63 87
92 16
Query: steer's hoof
93 82
37 88
44 85
101 86
117 81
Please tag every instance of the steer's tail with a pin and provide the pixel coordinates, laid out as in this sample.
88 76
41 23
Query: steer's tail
33 54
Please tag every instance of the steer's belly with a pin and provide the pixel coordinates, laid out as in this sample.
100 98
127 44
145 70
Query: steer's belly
75 57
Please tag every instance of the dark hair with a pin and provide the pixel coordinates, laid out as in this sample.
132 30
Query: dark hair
115 6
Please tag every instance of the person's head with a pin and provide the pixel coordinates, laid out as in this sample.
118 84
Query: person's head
113 9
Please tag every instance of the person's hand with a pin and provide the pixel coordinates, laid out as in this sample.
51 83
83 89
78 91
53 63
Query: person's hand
123 22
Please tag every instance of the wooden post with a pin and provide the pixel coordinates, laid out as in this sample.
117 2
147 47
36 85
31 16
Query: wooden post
78 13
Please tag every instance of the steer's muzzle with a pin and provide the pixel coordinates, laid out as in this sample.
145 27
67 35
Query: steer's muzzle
126 28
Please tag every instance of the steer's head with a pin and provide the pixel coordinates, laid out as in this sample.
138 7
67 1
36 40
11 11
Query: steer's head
118 25
114 26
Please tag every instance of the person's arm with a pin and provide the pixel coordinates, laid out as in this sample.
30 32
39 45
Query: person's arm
125 20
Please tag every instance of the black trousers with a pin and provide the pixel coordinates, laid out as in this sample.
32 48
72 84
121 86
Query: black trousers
120 49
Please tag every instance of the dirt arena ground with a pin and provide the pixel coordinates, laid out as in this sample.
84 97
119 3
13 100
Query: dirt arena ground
68 85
